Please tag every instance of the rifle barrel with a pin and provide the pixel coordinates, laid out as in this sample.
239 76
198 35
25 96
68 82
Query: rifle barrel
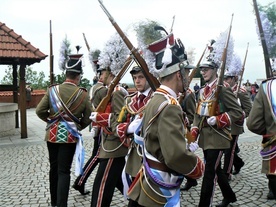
243 67
85 40
153 82
268 67
51 56
222 69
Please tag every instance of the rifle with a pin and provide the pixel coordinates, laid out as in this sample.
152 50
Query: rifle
242 71
85 40
51 56
153 82
268 67
104 102
221 75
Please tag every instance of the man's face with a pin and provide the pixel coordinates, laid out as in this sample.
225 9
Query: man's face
208 74
104 75
230 80
140 82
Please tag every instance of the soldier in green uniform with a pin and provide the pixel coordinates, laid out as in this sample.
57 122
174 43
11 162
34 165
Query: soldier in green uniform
166 158
97 93
112 150
188 104
231 157
66 110
132 111
212 122
262 121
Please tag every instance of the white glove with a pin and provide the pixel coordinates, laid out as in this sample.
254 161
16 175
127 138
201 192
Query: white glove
94 131
93 116
193 146
212 120
133 125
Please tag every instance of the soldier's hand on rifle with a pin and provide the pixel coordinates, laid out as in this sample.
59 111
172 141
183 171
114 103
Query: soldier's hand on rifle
212 120
133 125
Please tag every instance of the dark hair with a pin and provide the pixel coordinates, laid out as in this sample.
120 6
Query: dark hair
71 74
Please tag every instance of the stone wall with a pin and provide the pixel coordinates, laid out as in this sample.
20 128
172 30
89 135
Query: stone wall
37 95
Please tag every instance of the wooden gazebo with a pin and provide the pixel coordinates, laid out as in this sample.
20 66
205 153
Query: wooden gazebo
16 51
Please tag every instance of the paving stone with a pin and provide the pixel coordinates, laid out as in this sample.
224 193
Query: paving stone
24 173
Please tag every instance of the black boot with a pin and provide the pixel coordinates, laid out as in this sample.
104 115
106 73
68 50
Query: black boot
80 189
225 202
188 185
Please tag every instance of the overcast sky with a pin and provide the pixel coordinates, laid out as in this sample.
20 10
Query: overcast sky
196 22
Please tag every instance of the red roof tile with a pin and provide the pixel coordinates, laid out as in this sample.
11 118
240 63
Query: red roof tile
15 49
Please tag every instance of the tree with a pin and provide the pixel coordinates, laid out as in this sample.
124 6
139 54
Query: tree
37 80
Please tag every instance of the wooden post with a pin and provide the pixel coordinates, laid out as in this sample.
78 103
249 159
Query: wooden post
15 93
22 101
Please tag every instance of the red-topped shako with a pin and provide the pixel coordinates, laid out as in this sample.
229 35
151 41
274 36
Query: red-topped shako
167 55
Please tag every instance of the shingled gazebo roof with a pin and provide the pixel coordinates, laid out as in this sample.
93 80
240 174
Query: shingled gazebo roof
16 50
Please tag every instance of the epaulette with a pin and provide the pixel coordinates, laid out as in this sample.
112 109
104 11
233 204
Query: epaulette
271 78
83 89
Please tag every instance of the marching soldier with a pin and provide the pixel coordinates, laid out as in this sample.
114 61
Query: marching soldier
262 121
188 105
231 157
97 93
112 150
213 126
133 109
165 157
66 110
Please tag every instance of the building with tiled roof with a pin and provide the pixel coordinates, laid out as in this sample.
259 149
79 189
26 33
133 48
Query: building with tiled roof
19 53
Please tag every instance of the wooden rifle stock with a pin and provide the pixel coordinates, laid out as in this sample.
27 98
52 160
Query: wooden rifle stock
51 56
221 75
268 67
104 102
85 40
191 76
153 82
243 67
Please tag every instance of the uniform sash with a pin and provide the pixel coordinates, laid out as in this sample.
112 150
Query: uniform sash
69 121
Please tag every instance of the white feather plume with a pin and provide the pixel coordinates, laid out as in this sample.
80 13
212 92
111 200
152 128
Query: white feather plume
218 49
114 54
235 66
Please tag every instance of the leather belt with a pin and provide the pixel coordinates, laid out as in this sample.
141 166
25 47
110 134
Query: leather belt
159 166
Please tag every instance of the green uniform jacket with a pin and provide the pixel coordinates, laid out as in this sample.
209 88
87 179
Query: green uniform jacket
97 94
261 119
81 108
165 140
246 105
134 161
212 137
111 146
189 106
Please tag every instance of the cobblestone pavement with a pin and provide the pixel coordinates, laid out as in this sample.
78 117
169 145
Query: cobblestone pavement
24 173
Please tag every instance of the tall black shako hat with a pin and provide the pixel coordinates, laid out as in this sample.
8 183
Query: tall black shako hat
169 55
74 62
